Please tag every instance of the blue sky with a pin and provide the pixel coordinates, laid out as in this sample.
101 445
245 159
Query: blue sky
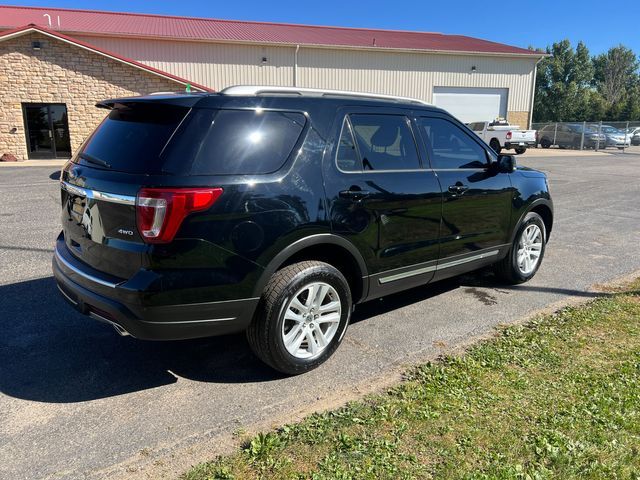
530 22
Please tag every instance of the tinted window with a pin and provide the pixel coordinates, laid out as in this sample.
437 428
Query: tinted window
244 142
347 155
385 142
132 137
450 146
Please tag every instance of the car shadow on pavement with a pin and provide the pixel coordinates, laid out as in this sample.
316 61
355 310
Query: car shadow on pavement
50 353
486 279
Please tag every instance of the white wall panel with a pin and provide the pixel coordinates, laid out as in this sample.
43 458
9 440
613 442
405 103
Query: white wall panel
400 73
416 75
214 65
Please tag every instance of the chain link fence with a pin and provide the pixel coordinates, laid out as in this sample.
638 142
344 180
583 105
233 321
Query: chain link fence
587 135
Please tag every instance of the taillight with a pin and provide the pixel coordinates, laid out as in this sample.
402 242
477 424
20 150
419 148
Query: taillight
508 135
160 211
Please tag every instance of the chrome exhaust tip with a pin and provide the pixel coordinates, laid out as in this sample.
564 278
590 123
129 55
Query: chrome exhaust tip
118 328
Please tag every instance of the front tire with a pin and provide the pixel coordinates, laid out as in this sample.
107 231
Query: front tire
520 150
526 252
302 316
545 143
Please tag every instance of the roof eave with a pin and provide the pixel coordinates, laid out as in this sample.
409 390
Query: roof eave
532 55
70 40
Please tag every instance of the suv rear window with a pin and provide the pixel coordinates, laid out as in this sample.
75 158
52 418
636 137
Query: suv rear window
243 142
132 136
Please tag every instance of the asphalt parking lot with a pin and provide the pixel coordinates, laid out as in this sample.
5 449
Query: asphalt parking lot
78 401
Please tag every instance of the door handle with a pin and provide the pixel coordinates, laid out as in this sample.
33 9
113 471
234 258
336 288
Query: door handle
458 188
353 194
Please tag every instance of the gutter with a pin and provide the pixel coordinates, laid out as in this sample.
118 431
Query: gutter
533 90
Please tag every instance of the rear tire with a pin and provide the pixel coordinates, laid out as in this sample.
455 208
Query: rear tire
294 330
519 265
495 145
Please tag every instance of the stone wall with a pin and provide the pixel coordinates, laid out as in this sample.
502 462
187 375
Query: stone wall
63 73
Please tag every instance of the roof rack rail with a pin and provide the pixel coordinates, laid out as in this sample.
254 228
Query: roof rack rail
267 89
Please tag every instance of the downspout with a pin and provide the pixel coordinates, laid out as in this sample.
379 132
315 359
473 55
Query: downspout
295 67
533 92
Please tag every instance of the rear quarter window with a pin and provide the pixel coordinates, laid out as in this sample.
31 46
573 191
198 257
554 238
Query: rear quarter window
241 142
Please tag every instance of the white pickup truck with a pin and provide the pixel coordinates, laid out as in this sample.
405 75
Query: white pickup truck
500 135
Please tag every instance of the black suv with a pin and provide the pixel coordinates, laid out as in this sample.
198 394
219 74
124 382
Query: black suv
276 210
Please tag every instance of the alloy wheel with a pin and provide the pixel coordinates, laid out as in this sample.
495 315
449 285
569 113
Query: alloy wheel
311 320
529 249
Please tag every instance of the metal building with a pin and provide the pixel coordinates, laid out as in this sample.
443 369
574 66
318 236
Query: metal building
474 79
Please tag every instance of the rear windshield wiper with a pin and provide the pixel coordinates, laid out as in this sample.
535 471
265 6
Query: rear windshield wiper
92 159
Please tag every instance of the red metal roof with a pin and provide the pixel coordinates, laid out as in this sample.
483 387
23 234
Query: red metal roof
189 28
34 28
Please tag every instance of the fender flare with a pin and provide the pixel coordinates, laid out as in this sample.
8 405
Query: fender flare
310 241
539 201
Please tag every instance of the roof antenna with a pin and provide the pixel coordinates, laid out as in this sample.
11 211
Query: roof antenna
374 41
58 21
48 18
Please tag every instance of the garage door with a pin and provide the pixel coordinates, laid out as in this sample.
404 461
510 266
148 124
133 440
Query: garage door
472 104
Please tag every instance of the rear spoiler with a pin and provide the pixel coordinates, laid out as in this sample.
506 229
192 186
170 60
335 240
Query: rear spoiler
176 99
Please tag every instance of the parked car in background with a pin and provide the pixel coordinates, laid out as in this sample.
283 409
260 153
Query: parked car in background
275 210
569 135
615 137
500 135
634 134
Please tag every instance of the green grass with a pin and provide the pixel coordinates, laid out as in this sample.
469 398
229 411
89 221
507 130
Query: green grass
556 398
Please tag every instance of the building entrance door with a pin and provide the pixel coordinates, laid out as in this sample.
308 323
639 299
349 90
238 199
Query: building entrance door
47 130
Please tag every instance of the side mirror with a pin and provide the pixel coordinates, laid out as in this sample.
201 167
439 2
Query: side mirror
506 163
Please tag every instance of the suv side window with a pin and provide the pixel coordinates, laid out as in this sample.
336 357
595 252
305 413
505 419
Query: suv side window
347 157
240 142
449 146
385 142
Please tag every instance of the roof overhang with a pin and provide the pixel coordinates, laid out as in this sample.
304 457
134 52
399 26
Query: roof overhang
17 32
533 55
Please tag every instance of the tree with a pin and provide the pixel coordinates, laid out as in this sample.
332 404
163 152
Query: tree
563 83
615 74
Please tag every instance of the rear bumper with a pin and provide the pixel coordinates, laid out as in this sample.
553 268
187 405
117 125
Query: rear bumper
510 145
165 322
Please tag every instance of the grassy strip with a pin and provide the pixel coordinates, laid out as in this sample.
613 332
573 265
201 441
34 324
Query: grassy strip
556 398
